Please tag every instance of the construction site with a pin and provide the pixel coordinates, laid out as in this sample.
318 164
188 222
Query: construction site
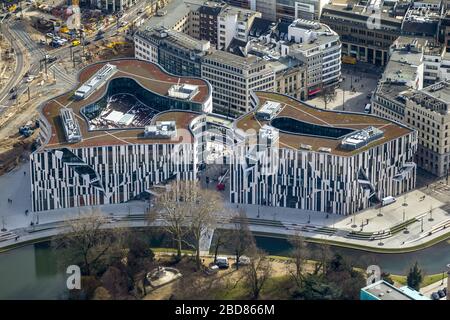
99 36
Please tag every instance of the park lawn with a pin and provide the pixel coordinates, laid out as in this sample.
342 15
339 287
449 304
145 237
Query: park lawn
276 288
428 279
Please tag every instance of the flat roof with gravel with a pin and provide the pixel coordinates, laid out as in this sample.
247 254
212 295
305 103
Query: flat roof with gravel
150 76
292 108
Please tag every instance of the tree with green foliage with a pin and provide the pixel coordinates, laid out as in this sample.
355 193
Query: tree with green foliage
317 287
140 259
387 277
342 275
415 277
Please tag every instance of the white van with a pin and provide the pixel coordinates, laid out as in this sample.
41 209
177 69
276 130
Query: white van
367 108
388 200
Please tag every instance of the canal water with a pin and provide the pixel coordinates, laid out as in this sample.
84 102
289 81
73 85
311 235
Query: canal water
33 271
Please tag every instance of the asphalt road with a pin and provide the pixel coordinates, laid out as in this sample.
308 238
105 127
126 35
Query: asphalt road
15 31
4 92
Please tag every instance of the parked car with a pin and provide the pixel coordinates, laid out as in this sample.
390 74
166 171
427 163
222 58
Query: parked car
212 269
30 78
99 36
435 296
12 90
243 261
388 200
222 262
441 293
13 96
50 35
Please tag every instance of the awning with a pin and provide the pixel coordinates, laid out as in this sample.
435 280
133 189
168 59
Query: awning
314 91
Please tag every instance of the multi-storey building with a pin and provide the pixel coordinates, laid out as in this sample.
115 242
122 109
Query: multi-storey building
233 78
290 154
423 18
309 9
312 44
268 8
319 48
427 111
388 100
444 32
129 133
131 126
365 33
234 23
176 52
290 77
208 15
406 62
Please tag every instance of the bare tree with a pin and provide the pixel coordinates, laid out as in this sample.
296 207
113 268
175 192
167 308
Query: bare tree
205 207
242 239
328 94
87 242
221 239
257 272
298 253
172 210
324 256
187 209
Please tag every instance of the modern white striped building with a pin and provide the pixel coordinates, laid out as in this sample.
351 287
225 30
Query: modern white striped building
144 127
335 162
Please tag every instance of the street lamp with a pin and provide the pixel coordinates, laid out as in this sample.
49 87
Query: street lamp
3 224
379 212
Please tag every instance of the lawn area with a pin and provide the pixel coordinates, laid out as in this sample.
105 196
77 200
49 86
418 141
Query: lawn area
277 287
428 279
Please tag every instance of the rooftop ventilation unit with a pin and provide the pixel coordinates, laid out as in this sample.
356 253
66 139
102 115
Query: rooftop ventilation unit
99 78
162 129
268 111
361 138
183 91
71 126
268 134
325 150
305 146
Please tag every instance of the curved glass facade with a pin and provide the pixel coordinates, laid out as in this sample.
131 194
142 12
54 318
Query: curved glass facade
294 126
132 87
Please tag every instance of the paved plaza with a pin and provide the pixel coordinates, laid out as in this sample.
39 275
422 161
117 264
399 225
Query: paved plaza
353 77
